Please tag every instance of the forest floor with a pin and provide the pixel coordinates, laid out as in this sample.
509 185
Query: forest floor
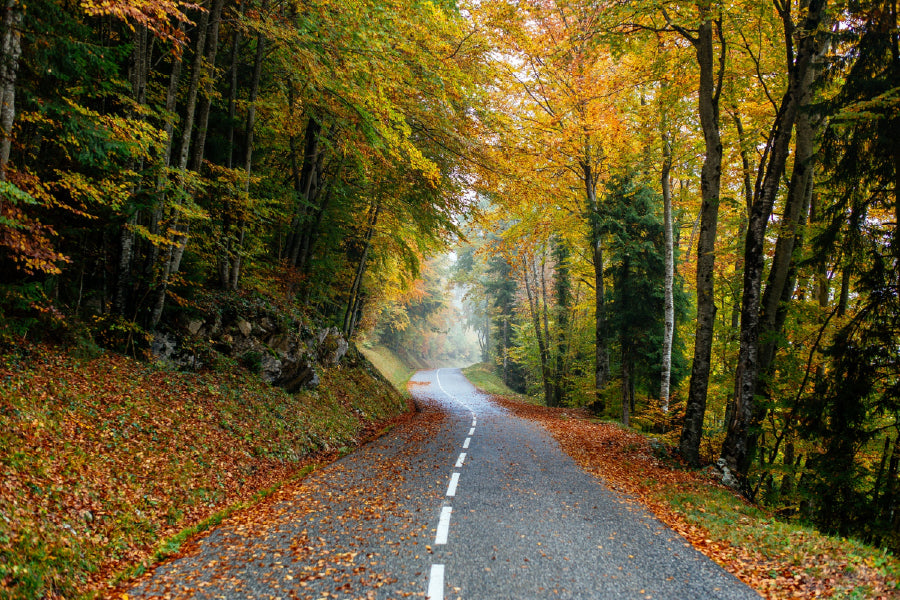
108 464
779 559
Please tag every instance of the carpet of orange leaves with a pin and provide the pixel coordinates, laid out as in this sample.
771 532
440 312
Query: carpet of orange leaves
625 461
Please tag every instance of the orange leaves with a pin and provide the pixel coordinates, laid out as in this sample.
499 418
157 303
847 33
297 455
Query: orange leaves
158 16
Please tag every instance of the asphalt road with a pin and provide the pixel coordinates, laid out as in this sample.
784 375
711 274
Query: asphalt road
465 501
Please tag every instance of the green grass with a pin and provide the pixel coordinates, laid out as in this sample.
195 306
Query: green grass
788 544
390 365
483 377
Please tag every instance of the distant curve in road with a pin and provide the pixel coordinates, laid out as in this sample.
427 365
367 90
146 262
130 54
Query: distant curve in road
466 501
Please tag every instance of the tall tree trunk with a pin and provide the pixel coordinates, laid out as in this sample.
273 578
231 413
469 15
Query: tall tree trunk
739 446
747 180
139 73
563 293
179 238
237 260
212 45
551 376
627 350
601 351
305 186
669 283
360 271
530 274
710 181
11 48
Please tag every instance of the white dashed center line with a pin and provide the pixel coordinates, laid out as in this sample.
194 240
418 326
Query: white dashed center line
472 431
454 481
436 583
461 459
466 443
443 528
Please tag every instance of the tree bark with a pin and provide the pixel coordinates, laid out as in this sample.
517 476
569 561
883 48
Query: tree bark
562 288
739 446
360 271
534 308
215 19
710 181
11 47
669 283
237 260
601 351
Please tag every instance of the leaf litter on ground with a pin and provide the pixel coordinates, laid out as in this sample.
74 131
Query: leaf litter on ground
780 560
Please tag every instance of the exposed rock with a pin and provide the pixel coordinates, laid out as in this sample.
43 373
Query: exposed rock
282 354
270 368
279 342
728 477
244 327
332 346
297 375
167 349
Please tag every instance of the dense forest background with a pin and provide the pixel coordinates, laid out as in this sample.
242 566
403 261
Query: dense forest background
681 214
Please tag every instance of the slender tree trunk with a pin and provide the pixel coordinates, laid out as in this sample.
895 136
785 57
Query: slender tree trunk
626 343
237 260
562 288
534 308
601 354
626 387
303 187
551 376
739 446
360 271
139 75
179 238
710 181
212 45
11 47
669 284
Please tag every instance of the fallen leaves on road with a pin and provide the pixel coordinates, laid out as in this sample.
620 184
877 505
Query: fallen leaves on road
817 566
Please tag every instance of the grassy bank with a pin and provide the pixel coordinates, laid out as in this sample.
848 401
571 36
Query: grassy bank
103 459
393 367
484 378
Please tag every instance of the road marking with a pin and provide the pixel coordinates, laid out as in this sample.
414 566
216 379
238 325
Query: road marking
472 431
466 443
454 481
443 526
436 583
460 460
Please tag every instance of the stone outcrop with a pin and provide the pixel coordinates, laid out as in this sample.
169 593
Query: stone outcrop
285 353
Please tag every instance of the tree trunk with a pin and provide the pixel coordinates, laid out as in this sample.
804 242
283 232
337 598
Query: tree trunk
710 181
563 294
669 306
534 308
11 47
739 446
237 259
601 355
360 271
303 187
215 19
